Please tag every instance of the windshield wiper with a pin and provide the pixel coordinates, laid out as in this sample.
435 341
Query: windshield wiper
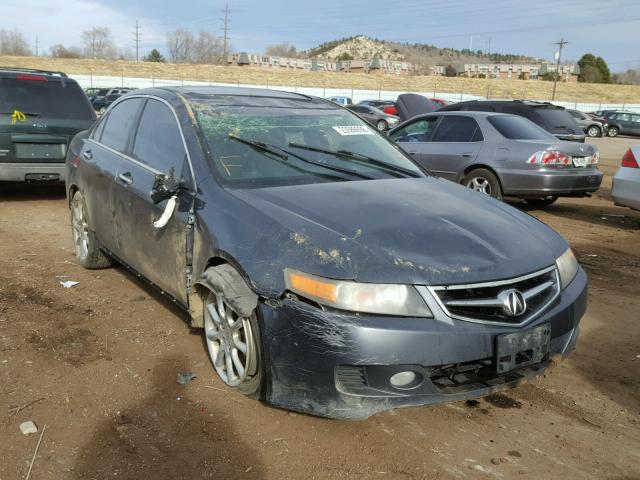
283 154
30 114
393 169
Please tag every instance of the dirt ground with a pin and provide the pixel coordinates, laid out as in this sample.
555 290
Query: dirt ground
97 365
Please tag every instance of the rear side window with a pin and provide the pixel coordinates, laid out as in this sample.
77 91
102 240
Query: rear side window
558 119
43 98
518 128
120 123
158 141
457 129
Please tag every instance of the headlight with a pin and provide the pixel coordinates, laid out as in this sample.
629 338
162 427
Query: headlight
382 299
567 267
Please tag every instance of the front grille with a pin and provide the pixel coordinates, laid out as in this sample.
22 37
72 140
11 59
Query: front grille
487 302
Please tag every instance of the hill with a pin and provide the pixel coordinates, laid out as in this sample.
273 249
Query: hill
421 55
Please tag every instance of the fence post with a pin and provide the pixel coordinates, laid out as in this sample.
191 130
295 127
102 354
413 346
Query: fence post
122 78
461 91
182 79
380 91
91 80
435 87
352 91
600 105
153 81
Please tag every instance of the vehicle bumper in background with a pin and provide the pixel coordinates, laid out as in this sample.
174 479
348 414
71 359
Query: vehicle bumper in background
559 183
571 138
339 365
626 187
32 172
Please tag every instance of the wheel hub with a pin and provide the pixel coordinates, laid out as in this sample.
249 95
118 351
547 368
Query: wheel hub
480 184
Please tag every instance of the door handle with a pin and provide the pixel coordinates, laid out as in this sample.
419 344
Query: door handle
466 155
413 154
126 178
87 155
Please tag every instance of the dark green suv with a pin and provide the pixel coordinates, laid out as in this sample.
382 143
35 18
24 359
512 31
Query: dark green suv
40 112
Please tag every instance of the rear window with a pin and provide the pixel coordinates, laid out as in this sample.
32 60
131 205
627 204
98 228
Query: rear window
518 128
45 99
558 120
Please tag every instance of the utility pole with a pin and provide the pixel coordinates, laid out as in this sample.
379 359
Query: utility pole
37 45
136 39
225 48
560 44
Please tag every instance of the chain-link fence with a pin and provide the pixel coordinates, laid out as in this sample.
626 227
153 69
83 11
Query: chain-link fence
357 95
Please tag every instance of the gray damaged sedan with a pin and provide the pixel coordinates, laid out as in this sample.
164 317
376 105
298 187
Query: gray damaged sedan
500 155
328 272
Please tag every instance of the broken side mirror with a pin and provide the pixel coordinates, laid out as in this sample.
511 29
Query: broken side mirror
165 187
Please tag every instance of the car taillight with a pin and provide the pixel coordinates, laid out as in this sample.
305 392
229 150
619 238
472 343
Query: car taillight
595 158
549 157
32 78
629 160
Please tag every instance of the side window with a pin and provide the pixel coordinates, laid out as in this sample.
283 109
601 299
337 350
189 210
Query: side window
158 141
119 124
418 131
457 129
97 132
635 118
623 117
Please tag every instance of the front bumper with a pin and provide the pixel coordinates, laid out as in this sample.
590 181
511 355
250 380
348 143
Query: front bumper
338 365
27 172
626 187
560 182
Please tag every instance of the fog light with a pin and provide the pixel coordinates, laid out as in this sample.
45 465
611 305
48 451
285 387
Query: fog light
406 379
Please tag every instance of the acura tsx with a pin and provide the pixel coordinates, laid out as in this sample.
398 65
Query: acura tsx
329 273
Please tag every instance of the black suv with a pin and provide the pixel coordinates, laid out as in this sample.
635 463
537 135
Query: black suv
554 119
40 112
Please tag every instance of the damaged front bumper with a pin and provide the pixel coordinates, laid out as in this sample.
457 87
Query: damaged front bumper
340 365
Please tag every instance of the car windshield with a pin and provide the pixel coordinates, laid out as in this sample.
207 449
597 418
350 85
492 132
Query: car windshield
258 146
518 128
49 99
558 119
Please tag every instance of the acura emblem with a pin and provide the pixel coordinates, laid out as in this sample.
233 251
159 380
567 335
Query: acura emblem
513 302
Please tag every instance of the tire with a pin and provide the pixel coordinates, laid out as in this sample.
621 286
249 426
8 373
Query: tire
541 202
594 131
86 245
613 131
224 333
484 181
382 125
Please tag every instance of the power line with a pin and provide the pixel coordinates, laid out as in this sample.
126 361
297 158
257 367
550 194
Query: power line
560 44
136 39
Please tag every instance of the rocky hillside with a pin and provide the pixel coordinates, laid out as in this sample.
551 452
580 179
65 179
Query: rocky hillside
420 54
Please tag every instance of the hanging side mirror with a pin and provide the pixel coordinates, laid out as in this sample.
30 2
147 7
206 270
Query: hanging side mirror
164 187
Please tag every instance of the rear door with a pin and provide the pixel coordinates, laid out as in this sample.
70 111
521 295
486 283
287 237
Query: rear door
634 124
157 149
455 144
99 162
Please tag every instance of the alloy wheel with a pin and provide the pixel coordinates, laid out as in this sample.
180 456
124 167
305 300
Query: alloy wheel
593 131
480 184
230 341
80 230
382 125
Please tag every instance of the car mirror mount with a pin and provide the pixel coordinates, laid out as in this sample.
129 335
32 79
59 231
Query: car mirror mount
165 186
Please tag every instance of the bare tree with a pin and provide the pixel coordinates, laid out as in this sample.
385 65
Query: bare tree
60 51
282 50
98 43
207 49
180 44
12 42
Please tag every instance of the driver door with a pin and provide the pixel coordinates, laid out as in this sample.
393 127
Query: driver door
159 254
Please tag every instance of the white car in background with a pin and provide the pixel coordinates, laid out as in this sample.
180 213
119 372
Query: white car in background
626 181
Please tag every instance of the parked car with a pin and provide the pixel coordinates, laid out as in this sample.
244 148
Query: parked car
376 117
101 93
500 155
330 274
623 123
626 181
605 113
341 100
552 118
387 106
592 126
40 112
100 104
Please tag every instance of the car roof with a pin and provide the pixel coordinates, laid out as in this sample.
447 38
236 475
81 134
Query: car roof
12 72
522 103
467 113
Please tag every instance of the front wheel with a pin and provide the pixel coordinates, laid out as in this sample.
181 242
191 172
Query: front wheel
613 131
541 202
484 181
234 344
594 131
382 125
87 247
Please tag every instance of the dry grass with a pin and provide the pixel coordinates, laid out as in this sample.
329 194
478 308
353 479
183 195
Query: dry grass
539 90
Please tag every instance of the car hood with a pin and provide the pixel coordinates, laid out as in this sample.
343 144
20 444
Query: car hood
415 231
410 105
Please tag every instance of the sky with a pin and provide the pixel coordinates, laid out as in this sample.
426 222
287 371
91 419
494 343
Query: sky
605 28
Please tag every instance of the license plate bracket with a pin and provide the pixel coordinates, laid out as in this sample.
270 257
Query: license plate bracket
579 161
520 349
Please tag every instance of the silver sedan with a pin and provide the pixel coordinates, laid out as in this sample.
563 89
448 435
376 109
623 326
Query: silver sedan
626 181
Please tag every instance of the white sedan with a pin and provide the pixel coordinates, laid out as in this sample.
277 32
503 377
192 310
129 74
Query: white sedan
626 181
